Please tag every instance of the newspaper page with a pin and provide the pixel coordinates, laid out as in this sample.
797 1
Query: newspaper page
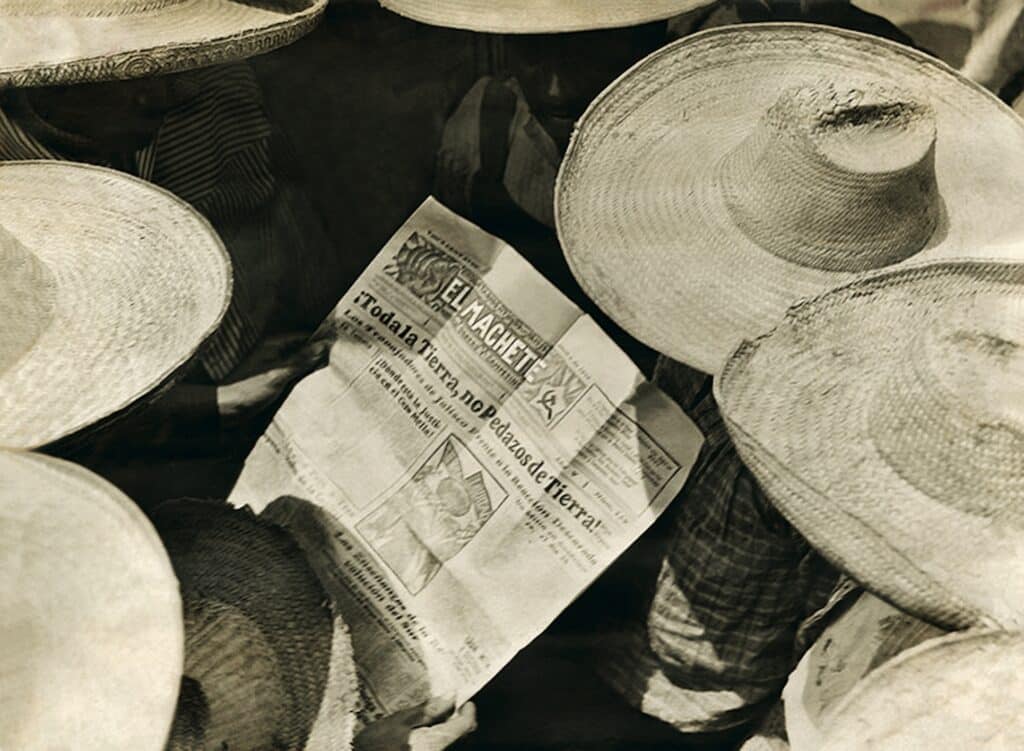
867 635
476 452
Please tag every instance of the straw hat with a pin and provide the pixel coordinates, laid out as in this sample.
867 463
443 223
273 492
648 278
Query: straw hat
961 691
870 633
885 420
90 617
267 664
48 42
738 170
107 287
540 16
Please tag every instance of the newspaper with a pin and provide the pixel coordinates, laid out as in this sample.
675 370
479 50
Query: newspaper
476 452
867 635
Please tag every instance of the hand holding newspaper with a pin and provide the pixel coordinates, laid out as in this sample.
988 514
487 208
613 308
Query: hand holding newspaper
476 452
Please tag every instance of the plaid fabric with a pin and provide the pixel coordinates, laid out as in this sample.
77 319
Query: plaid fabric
735 584
214 152
770 732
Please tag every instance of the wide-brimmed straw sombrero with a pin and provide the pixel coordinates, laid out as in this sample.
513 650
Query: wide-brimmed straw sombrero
267 663
736 171
90 618
957 692
540 16
885 419
48 42
108 285
868 634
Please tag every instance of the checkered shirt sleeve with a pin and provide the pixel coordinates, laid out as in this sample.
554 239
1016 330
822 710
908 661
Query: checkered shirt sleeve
735 583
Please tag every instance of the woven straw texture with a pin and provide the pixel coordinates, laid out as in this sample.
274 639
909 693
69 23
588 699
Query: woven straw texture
866 636
91 632
736 171
884 419
108 286
963 691
540 16
271 666
47 42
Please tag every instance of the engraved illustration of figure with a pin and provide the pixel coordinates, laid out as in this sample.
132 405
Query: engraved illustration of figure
430 519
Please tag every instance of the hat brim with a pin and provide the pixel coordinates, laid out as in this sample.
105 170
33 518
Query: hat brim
959 691
641 215
90 616
45 50
141 278
798 402
540 16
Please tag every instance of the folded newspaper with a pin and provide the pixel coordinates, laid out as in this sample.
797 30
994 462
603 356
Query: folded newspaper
476 452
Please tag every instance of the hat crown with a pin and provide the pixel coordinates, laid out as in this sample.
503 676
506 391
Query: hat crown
235 673
28 294
256 616
82 8
950 417
838 180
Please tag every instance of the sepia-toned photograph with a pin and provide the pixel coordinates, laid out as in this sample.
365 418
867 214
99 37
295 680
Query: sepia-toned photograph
511 375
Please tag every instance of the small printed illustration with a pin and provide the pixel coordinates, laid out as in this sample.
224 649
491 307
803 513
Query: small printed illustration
554 390
424 269
431 518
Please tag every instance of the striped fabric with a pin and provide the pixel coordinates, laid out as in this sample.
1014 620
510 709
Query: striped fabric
719 636
16 144
215 153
